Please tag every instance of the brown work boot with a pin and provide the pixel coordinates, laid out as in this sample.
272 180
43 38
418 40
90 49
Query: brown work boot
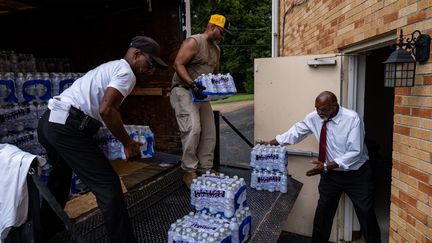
188 177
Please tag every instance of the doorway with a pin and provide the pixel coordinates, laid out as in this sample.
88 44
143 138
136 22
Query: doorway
378 119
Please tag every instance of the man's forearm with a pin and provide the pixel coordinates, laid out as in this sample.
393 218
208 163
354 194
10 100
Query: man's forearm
114 123
184 75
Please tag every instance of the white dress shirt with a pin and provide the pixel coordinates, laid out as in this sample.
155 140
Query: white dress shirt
345 137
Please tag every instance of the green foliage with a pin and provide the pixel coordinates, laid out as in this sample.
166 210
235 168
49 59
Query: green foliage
250 23
234 98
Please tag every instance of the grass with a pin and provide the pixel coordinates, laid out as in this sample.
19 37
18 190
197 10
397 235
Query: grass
234 98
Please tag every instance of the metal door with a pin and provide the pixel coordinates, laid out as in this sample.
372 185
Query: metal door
285 92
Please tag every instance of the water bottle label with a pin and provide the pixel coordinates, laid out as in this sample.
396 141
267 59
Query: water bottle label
44 85
7 91
245 229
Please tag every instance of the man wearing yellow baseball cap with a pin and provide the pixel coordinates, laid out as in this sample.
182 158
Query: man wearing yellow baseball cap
198 54
220 20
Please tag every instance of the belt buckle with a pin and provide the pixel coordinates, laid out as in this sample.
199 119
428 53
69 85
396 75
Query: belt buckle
84 123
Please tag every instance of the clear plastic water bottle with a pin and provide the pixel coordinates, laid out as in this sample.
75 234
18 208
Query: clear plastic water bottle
55 82
284 183
19 82
234 227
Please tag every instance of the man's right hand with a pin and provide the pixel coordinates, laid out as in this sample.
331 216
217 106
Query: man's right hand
197 91
132 150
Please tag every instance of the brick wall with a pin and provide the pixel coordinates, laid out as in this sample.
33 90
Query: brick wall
326 26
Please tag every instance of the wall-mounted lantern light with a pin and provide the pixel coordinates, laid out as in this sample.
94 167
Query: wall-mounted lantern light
400 66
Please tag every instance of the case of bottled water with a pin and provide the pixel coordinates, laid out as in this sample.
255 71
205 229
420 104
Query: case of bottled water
218 194
200 227
207 227
113 148
272 181
218 86
269 168
269 157
23 99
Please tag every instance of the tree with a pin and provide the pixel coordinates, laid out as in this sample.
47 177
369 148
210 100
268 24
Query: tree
250 22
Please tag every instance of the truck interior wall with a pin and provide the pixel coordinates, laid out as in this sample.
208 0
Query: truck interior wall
90 34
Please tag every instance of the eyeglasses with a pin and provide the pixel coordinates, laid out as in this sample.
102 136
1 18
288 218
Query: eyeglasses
222 31
150 64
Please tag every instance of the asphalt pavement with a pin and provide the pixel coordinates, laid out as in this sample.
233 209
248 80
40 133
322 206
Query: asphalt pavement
233 150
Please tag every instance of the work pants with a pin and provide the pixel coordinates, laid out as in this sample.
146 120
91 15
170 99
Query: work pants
197 130
358 185
70 147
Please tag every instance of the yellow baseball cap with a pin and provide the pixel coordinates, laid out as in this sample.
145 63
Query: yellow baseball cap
220 21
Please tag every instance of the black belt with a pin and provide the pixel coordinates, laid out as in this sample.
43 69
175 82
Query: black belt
181 86
76 113
87 123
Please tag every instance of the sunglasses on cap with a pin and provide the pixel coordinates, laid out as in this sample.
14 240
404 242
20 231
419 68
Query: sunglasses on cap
150 62
222 30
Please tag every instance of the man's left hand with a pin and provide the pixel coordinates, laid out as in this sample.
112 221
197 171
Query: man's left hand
319 167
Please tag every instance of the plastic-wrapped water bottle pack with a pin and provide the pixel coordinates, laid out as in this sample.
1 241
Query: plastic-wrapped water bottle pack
269 168
218 86
218 194
269 157
272 181
114 149
203 226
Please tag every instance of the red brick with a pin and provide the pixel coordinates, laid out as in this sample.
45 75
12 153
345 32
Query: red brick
334 22
426 188
422 112
397 100
410 220
417 18
402 110
398 202
359 23
401 130
417 214
390 17
419 175
427 80
400 167
406 198
402 91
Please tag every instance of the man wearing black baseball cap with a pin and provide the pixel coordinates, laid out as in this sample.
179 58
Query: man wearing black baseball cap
66 131
150 47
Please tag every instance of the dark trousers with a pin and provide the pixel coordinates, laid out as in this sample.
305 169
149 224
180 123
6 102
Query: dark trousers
358 185
71 147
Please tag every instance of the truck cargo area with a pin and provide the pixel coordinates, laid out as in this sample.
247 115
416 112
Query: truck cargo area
163 198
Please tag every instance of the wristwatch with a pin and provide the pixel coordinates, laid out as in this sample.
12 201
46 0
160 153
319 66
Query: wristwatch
325 167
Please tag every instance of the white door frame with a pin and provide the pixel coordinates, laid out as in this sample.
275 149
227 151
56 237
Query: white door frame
356 82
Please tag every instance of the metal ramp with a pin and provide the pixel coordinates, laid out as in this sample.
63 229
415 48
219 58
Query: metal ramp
158 202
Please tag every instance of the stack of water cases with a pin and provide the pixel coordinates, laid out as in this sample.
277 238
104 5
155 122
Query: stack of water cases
269 168
23 99
114 149
218 86
222 214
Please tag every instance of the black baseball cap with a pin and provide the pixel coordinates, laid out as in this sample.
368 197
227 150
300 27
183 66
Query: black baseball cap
149 46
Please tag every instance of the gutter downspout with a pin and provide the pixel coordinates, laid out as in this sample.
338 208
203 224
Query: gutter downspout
275 28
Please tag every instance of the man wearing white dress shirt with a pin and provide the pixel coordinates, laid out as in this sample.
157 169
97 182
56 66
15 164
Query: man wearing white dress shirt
342 164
